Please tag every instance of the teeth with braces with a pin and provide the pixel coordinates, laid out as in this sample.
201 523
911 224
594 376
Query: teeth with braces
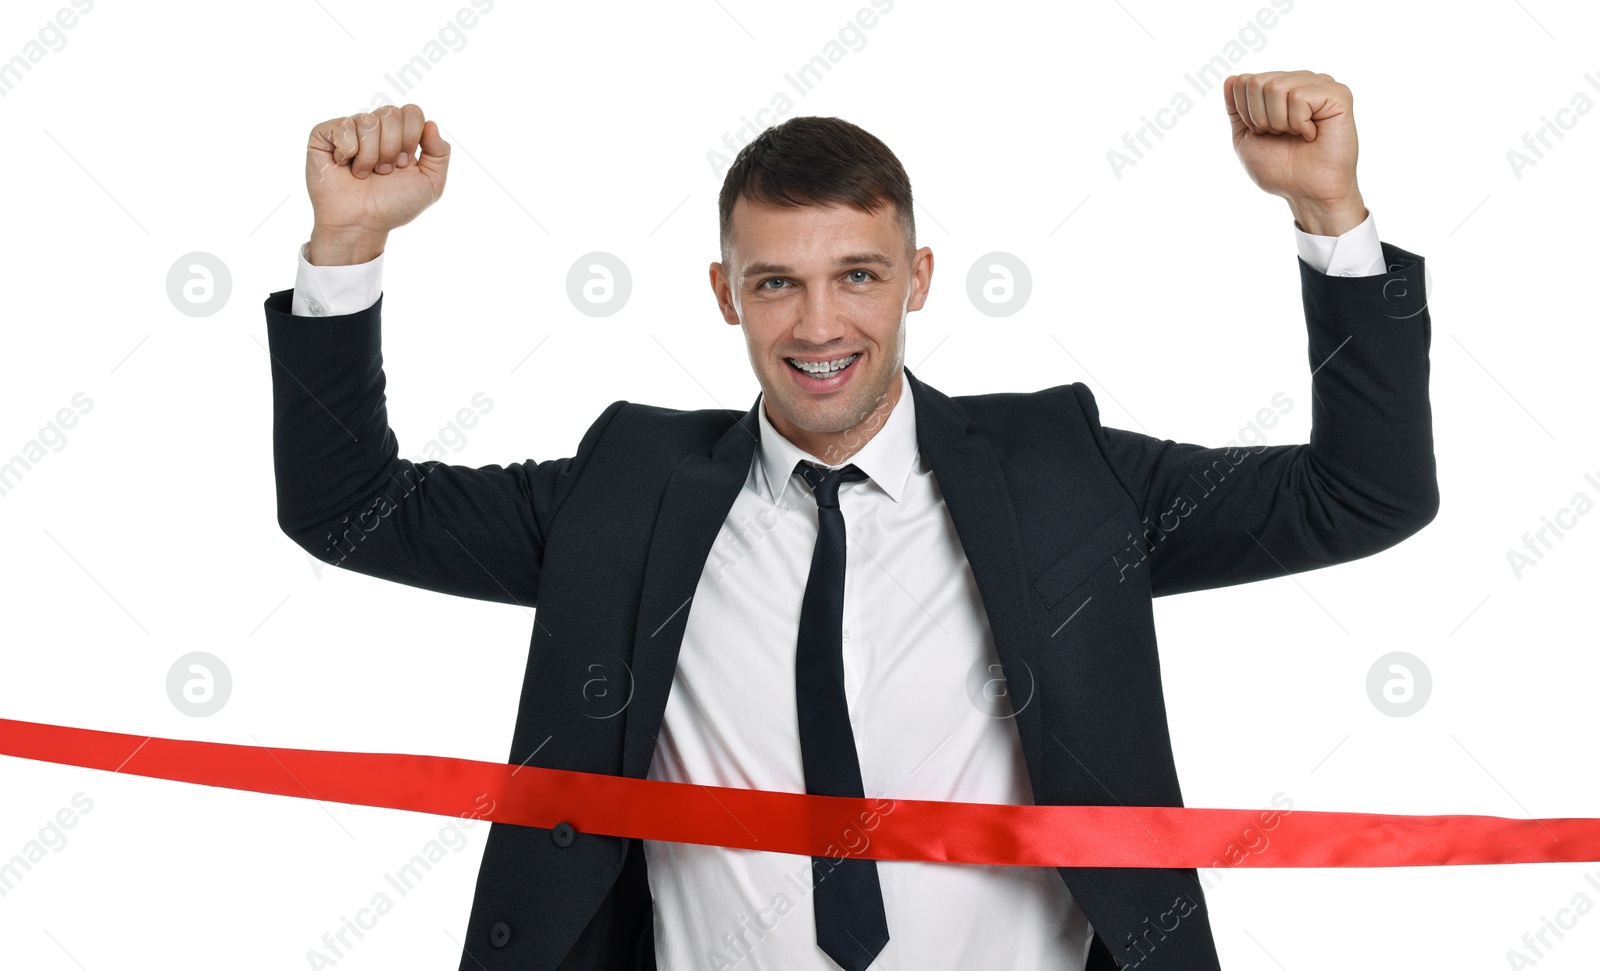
823 367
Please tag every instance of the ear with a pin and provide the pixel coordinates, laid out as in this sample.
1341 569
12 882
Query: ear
921 278
721 288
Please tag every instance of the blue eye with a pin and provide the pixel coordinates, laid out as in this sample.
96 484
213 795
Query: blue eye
861 271
774 279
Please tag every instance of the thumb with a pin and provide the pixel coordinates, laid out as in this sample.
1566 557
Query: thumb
435 160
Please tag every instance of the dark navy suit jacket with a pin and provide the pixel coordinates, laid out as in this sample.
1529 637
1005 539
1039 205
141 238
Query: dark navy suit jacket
1060 517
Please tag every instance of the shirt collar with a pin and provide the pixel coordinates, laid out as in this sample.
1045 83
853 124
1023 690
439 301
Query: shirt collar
887 457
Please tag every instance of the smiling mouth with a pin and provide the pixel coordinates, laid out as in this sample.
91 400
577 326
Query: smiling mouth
822 369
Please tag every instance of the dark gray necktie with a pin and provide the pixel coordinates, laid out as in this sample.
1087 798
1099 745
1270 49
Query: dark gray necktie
847 901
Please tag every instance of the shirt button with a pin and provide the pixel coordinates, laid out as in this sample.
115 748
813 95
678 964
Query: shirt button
562 834
314 307
500 934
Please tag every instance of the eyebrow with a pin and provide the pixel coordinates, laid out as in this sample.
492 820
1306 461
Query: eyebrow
854 259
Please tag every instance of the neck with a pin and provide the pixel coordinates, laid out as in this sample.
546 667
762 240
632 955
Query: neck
834 448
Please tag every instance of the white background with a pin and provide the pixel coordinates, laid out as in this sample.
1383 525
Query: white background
1173 292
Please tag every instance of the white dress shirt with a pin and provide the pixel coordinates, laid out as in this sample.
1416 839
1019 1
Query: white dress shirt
914 628
915 631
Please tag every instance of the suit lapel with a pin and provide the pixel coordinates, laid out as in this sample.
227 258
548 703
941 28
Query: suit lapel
699 494
975 491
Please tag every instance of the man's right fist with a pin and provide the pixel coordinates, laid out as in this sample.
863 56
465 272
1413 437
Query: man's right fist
364 177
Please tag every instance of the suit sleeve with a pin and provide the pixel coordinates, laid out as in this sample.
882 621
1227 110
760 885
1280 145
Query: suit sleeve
1214 517
347 497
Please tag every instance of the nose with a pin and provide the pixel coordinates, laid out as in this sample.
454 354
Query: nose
820 319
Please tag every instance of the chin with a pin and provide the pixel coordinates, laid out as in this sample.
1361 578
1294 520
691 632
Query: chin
838 414
815 419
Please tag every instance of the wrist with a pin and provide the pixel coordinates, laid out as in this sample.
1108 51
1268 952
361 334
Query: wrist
329 247
1328 218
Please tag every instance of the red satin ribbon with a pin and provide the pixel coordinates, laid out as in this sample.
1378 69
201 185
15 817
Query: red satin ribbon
783 822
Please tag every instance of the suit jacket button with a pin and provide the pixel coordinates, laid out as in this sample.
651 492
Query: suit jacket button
500 934
562 834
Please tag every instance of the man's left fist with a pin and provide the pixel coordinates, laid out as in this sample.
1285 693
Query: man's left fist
1296 136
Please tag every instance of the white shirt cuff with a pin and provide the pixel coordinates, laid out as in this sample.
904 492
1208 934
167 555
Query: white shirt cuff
324 291
1354 253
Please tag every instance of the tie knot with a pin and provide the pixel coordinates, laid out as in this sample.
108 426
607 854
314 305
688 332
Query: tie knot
825 482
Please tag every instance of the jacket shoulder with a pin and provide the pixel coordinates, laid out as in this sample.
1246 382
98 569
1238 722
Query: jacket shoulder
651 431
1016 419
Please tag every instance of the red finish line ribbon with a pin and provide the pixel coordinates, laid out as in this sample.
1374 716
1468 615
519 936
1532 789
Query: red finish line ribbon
784 822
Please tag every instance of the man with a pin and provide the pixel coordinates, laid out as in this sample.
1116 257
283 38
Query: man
822 594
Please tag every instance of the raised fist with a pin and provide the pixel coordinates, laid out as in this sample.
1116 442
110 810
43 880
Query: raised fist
364 176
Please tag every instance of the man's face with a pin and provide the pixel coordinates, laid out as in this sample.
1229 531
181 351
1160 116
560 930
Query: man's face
822 286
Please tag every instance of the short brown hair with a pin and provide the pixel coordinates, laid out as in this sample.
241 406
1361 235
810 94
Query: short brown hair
810 160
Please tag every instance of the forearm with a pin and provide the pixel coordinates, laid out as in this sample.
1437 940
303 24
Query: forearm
332 447
1371 446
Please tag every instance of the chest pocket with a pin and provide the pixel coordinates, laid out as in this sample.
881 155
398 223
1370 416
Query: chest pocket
1097 555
